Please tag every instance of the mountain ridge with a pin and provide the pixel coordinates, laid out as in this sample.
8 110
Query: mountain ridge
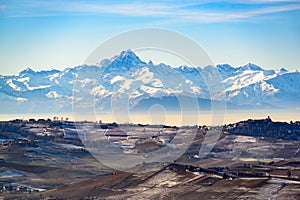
248 86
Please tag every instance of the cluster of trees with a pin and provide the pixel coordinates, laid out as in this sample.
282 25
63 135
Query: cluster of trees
266 128
61 118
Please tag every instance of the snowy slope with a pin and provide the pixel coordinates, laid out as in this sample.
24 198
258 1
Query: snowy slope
251 85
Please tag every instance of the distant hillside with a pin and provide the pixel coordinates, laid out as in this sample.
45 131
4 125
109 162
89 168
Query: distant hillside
265 128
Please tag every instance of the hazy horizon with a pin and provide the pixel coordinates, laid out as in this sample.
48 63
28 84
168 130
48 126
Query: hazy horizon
205 117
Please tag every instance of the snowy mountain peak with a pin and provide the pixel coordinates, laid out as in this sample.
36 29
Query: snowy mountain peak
150 63
26 71
125 61
250 66
226 70
225 67
283 70
183 67
128 53
125 58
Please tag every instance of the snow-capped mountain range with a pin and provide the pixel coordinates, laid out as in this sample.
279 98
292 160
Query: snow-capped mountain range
145 84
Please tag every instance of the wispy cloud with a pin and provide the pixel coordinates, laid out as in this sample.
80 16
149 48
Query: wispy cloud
180 11
254 1
235 16
2 7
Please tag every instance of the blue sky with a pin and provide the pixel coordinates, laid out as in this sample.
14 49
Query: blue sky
59 33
